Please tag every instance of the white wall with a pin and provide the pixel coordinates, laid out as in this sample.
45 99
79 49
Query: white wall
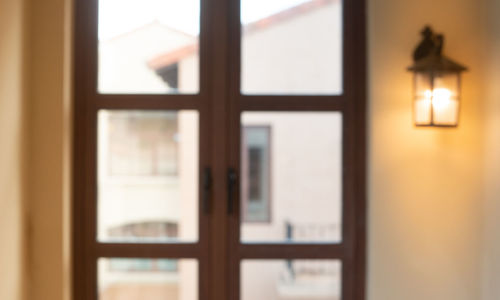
491 233
424 184
12 127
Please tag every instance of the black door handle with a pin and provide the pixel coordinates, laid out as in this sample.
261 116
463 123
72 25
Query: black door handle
207 189
232 183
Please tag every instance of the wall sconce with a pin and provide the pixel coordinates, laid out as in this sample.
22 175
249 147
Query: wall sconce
436 83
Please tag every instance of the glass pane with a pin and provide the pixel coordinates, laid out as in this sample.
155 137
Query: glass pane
148 46
256 167
148 176
291 47
422 104
445 105
152 279
291 171
436 99
291 279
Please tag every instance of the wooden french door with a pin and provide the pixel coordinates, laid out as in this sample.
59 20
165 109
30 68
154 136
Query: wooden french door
219 151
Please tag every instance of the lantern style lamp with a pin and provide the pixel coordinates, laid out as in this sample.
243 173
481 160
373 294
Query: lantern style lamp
436 83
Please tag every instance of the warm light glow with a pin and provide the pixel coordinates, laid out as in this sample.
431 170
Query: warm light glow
428 95
444 107
441 99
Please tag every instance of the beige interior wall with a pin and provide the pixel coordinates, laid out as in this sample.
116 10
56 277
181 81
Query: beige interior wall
491 235
12 127
425 192
49 151
424 184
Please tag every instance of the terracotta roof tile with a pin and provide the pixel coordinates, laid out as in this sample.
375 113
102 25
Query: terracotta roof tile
286 14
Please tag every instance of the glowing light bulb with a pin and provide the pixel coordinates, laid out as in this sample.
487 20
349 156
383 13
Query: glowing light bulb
441 99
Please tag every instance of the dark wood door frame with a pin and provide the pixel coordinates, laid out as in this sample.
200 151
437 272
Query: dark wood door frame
352 103
86 249
220 104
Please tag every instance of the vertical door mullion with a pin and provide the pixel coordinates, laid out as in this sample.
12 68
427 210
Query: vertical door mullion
91 163
204 152
218 32
234 147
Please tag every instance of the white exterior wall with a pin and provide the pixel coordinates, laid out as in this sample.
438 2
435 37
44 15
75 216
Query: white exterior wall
125 199
307 48
189 74
306 169
306 190
123 60
267 280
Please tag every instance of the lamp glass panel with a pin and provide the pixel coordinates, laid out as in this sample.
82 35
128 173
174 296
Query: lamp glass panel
423 94
436 99
445 99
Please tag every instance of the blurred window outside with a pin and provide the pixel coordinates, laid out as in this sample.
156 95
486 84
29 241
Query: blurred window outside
144 147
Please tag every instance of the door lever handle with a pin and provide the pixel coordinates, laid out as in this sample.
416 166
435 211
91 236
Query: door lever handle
232 183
